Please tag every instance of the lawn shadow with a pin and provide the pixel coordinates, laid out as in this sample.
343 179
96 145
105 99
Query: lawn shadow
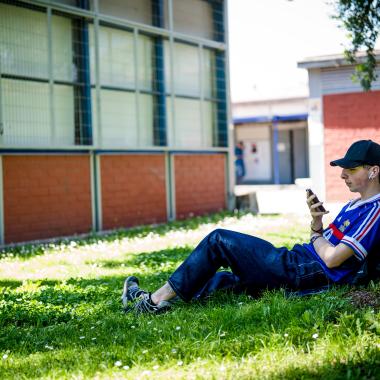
12 284
152 260
367 367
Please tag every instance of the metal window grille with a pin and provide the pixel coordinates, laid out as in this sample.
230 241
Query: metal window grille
112 74
44 77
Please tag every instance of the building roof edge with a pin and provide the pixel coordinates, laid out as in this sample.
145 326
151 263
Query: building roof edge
334 60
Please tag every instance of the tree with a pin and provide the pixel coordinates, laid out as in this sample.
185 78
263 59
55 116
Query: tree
361 18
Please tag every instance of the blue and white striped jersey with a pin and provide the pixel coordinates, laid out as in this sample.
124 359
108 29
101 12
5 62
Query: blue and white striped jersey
358 226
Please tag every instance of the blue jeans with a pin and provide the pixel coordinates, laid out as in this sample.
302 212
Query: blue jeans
256 265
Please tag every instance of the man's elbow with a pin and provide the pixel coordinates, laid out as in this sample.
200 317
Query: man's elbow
332 262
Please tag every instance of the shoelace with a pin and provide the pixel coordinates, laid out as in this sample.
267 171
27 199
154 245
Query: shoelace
145 305
131 293
135 292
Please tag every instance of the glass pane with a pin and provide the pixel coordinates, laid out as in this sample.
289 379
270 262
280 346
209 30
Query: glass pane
62 41
26 113
91 42
119 118
186 69
209 123
146 120
145 61
133 10
116 54
64 114
208 71
167 63
193 17
23 41
188 124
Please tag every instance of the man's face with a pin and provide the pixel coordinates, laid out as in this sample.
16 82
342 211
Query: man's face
356 178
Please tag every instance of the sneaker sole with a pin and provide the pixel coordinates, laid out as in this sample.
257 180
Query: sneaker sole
124 297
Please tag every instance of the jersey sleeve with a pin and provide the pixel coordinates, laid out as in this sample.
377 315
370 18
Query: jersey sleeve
364 233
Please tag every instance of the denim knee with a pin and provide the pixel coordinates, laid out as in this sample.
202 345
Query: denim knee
216 236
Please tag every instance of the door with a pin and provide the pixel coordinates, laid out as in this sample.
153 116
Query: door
284 148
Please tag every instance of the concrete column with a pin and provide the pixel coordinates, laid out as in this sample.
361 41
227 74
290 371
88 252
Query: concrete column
316 134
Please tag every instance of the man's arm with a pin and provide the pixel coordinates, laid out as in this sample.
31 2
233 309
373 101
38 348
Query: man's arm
332 256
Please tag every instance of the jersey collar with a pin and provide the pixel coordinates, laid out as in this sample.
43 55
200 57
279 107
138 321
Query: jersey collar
357 202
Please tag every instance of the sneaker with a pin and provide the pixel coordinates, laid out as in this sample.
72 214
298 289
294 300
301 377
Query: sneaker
146 306
131 290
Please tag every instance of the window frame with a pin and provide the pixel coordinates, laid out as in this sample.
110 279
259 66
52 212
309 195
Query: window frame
158 33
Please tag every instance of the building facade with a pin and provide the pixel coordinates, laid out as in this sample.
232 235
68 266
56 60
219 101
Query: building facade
274 136
339 114
113 113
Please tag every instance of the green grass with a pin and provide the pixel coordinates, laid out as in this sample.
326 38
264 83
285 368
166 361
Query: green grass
60 314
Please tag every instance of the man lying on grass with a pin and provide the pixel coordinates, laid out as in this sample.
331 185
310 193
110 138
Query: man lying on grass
333 255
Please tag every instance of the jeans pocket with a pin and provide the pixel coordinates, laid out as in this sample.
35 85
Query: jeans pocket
311 275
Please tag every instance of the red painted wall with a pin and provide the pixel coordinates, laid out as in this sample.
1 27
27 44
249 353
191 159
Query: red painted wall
46 196
199 184
347 118
133 190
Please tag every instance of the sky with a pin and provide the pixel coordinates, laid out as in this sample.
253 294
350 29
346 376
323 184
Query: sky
268 37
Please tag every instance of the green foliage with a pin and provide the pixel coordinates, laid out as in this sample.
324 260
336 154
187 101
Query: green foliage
70 325
361 18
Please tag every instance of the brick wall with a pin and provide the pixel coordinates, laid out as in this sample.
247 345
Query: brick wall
46 196
133 190
199 184
347 118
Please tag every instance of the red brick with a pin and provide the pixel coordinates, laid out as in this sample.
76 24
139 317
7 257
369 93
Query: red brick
133 190
199 184
43 198
347 118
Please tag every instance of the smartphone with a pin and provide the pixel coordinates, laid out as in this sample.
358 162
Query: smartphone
315 200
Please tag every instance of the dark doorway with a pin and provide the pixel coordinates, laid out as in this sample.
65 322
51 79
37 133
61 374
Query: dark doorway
292 155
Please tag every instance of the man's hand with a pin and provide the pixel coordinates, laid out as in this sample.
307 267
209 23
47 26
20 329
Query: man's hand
316 223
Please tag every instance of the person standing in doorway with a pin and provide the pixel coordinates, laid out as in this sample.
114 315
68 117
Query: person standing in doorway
239 162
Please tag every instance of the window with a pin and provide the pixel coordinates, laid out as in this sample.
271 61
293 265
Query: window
194 104
64 77
200 18
126 87
134 10
42 87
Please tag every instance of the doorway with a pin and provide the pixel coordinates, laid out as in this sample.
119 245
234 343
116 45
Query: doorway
292 155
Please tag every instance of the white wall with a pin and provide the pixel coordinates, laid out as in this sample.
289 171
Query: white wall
270 108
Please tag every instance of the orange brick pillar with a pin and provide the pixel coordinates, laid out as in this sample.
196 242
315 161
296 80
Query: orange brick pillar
347 118
46 196
133 189
200 184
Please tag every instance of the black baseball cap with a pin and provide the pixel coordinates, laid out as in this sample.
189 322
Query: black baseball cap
362 152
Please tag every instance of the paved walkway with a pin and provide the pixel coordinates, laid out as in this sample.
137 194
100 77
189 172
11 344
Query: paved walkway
276 199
